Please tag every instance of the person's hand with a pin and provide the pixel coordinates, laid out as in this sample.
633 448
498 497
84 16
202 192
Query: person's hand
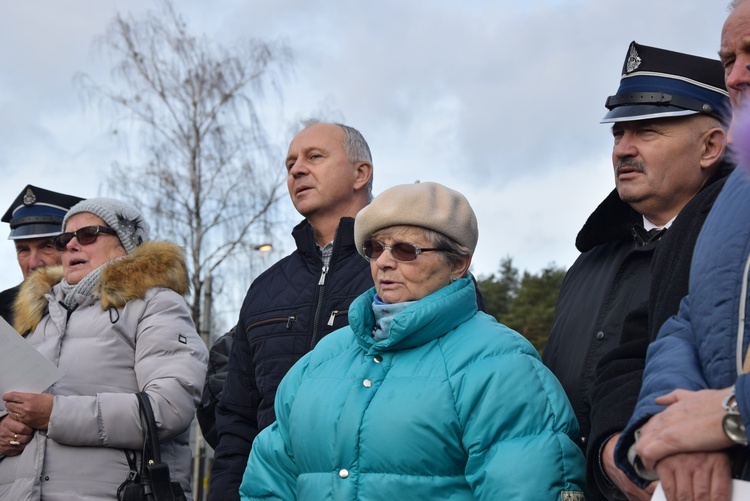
31 409
692 422
619 478
696 475
13 436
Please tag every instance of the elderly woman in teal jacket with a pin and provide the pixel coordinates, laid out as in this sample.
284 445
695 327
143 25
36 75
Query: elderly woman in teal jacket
421 396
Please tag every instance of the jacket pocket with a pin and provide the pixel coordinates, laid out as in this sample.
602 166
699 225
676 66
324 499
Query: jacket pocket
338 318
289 321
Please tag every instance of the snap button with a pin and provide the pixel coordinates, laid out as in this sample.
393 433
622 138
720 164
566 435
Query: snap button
377 359
343 473
600 335
367 383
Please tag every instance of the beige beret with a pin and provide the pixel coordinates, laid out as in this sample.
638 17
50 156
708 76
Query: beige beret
428 205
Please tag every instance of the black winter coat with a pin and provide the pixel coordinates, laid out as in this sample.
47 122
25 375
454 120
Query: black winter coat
216 375
619 373
287 310
608 280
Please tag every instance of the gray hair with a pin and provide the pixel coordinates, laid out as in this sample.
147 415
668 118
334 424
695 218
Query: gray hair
356 148
700 124
454 253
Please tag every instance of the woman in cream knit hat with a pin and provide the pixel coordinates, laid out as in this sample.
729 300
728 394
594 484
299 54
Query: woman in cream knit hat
422 396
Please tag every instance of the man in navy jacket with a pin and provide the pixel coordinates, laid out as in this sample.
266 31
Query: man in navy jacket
300 299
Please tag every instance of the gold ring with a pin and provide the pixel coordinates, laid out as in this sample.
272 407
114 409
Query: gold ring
14 442
15 436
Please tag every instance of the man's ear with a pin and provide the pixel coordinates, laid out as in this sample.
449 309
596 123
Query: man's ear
363 174
714 145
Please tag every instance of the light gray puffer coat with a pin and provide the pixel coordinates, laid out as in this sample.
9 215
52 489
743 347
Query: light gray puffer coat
136 334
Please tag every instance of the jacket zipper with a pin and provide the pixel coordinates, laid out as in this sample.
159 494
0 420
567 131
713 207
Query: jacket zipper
319 305
739 355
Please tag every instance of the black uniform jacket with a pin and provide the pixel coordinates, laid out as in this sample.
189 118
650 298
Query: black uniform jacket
619 372
7 297
608 281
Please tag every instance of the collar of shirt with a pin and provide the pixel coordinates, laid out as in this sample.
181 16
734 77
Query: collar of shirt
648 225
326 252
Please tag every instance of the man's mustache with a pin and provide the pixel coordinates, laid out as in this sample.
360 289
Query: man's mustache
630 165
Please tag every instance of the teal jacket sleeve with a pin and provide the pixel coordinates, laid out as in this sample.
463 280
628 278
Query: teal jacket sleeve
519 429
271 472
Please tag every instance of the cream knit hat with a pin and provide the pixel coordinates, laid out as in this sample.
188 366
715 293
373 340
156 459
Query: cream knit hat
427 205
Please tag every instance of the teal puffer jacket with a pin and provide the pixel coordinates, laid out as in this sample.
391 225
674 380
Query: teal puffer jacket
453 405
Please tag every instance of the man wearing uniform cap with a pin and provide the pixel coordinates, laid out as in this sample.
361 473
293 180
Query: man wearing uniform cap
690 425
35 216
669 119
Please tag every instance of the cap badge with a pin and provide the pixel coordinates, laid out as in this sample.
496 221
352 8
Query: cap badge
29 198
634 61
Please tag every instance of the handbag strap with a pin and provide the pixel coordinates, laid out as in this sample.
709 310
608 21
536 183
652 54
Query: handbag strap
159 485
150 437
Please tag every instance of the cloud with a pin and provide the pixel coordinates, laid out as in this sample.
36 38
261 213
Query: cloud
498 99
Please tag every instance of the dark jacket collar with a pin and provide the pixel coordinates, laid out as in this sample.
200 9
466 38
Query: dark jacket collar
614 219
343 242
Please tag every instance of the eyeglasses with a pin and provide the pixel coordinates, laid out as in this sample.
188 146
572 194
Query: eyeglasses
401 251
85 236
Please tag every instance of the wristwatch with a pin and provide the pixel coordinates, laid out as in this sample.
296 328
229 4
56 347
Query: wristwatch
734 427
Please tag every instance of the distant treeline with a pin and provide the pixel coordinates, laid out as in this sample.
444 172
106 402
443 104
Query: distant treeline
525 303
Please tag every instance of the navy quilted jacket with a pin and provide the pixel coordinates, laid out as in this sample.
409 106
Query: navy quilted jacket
287 310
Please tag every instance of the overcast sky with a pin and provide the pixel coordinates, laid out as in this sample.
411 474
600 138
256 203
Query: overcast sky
499 99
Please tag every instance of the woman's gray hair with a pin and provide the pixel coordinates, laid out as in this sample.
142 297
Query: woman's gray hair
453 252
356 148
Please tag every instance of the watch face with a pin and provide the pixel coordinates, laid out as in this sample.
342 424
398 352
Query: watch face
734 428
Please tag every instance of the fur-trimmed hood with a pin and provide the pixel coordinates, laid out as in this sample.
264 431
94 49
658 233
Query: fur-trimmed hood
152 264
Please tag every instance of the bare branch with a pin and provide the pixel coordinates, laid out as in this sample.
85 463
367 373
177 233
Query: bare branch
210 180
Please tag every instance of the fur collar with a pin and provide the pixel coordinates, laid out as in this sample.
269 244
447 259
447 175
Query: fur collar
152 264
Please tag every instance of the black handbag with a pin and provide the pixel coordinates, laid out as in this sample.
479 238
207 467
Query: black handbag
151 482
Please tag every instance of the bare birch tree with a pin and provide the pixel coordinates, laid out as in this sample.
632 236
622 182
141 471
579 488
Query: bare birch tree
209 180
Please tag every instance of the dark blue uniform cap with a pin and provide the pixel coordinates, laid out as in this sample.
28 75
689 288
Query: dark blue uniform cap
37 213
658 83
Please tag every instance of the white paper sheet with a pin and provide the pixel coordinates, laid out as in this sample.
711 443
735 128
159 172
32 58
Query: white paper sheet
740 491
22 368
